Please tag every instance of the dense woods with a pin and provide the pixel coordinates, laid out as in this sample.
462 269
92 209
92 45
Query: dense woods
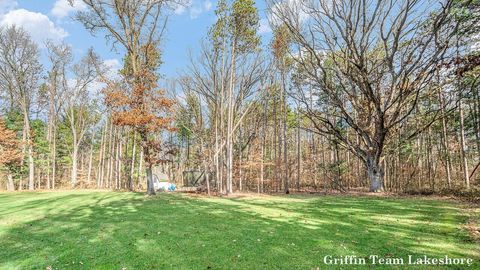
348 95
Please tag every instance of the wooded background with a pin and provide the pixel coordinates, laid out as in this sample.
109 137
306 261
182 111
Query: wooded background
363 95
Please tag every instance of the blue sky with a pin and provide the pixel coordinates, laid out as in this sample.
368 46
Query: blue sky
51 19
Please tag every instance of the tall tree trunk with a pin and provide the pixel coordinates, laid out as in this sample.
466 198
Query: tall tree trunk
49 140
274 143
148 169
132 166
262 153
73 178
375 175
429 150
316 163
29 143
101 156
278 162
216 158
10 184
299 150
446 148
462 125
111 147
148 163
466 177
207 179
39 178
90 160
24 153
221 132
120 158
206 169
51 127
54 157
284 135
118 146
231 104
476 109
386 179
31 167
419 162
240 160
140 168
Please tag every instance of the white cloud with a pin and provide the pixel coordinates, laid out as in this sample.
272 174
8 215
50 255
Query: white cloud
197 9
264 26
194 8
113 66
195 12
207 5
288 8
62 8
180 7
7 5
38 25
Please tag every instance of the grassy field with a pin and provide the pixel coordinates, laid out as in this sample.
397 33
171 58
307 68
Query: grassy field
107 230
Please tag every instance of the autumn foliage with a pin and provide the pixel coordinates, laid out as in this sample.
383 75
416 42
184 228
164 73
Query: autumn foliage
10 153
138 103
144 107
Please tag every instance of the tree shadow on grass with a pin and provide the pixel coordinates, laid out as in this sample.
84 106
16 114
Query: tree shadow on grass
377 226
115 230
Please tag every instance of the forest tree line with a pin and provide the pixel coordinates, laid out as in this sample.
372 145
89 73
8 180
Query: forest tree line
375 95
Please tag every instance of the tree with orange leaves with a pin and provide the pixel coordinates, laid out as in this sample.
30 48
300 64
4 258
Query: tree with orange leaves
138 103
136 27
10 154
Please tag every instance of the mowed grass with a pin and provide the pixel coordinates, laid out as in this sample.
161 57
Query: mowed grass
108 230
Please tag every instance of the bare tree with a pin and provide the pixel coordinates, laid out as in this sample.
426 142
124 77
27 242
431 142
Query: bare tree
206 77
79 106
369 61
20 71
60 57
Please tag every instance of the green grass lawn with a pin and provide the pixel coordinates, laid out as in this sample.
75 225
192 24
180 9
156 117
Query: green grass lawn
108 230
